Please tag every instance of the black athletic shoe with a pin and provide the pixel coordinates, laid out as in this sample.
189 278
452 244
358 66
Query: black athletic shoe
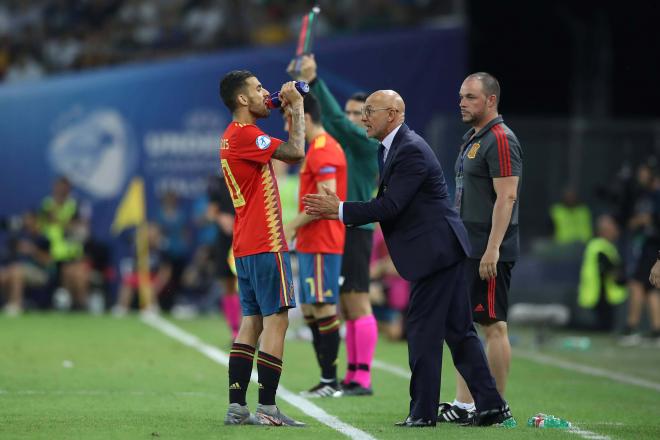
489 417
355 389
449 413
323 390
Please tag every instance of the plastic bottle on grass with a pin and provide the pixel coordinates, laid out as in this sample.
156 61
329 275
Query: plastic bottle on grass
509 423
541 420
579 343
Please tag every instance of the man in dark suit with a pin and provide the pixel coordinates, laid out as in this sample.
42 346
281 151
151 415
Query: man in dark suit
428 244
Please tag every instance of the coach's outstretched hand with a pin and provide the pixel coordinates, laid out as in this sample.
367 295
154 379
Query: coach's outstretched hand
322 205
307 69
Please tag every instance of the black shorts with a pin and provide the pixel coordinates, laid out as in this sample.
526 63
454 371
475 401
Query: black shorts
220 254
489 298
644 264
355 263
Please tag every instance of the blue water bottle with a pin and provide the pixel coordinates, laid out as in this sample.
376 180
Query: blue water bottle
274 100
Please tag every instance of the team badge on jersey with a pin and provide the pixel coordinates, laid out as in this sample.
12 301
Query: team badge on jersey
263 142
473 150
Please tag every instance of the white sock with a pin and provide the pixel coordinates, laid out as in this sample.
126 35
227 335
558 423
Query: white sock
463 405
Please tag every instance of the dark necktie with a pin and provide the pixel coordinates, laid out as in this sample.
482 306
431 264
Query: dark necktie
381 158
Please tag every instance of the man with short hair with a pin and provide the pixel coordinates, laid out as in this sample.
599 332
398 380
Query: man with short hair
260 249
488 172
319 246
428 245
347 127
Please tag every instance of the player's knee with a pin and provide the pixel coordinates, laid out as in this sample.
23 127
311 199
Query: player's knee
495 330
277 322
324 310
253 324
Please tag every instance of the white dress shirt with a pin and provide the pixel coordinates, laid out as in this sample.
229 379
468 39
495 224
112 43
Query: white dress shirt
387 143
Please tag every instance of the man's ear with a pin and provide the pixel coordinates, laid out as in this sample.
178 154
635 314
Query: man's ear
242 99
492 101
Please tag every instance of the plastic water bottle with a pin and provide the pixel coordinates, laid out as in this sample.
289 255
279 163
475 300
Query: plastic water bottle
274 101
579 343
509 423
541 420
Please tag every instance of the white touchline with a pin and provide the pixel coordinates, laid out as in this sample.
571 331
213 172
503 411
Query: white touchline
222 358
400 372
587 434
585 369
195 394
394 369
545 360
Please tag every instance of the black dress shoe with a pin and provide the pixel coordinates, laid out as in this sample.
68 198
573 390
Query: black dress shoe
415 423
489 417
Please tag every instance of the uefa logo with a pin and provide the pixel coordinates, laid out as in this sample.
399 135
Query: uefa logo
263 142
95 150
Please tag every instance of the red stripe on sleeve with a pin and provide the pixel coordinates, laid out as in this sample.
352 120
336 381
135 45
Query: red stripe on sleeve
500 155
508 152
504 149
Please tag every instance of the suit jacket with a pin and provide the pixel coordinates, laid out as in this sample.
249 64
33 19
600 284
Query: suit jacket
422 230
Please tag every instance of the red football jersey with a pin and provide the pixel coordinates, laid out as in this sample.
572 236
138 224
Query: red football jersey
245 153
324 160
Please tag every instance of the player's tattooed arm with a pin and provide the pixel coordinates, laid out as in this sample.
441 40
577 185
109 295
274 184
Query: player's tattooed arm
293 150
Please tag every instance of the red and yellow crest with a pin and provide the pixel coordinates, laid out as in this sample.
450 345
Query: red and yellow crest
473 150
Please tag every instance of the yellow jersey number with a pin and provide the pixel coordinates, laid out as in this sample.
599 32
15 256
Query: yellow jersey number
235 191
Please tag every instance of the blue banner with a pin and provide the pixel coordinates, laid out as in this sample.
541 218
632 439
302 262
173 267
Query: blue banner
163 120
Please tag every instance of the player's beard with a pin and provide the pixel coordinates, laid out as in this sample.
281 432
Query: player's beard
259 110
470 118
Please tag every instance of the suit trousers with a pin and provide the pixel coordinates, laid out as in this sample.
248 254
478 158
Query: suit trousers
440 310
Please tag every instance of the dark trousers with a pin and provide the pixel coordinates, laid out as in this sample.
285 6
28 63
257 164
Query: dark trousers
439 310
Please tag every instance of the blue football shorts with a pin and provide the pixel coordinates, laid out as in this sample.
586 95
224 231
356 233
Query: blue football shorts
319 278
265 283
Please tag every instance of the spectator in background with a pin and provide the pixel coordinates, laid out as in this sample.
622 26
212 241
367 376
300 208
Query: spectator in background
173 224
25 67
197 282
389 292
602 274
644 232
203 21
199 275
141 18
111 31
61 51
571 219
206 228
30 265
160 273
5 20
5 56
62 223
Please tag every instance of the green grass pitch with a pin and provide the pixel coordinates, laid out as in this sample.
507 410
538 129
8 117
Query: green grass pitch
86 377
